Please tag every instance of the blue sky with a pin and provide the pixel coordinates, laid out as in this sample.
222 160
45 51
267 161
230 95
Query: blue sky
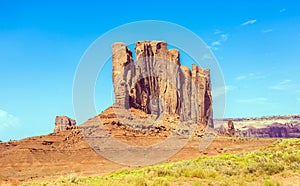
41 42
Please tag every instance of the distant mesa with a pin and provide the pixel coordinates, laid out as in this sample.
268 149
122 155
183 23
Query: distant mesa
264 127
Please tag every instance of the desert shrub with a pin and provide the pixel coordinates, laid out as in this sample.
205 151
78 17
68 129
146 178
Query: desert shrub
138 181
196 173
69 179
197 183
269 182
294 166
272 168
159 182
292 158
164 172
251 168
211 174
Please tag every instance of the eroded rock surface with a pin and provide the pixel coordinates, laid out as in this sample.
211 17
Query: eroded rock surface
64 123
157 83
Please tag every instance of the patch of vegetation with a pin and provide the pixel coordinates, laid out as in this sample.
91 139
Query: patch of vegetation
279 160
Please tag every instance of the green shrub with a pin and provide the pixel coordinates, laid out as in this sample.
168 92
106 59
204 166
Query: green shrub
138 181
197 183
196 173
160 182
272 168
269 182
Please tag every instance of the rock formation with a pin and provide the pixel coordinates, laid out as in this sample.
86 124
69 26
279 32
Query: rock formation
64 123
275 130
264 127
157 83
227 129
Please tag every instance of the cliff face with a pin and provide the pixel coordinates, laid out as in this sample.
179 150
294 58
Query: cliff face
158 84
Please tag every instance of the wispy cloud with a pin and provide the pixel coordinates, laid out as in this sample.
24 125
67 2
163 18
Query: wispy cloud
258 100
216 43
298 99
221 39
224 37
219 91
7 119
281 85
250 76
282 10
229 88
250 22
267 30
207 57
217 32
242 77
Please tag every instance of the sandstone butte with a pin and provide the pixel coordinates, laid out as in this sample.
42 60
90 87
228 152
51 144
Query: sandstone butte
156 83
154 94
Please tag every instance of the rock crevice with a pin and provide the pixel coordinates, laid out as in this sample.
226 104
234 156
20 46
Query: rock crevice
157 83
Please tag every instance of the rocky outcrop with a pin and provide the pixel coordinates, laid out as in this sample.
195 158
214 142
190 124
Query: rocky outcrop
64 123
157 83
227 129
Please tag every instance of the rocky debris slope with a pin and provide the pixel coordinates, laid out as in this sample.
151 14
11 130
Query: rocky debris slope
264 127
64 123
157 83
130 129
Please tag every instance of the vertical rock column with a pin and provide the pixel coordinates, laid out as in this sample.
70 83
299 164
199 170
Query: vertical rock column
201 101
208 110
122 72
185 93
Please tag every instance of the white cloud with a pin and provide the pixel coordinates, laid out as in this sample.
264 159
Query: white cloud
222 90
229 88
282 10
222 38
207 57
250 22
7 119
216 43
218 91
250 76
267 30
217 32
258 100
242 77
281 85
